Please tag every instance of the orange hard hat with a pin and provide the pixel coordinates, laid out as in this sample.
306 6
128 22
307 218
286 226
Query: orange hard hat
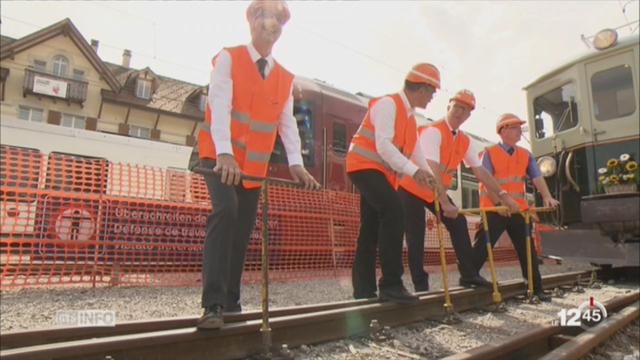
466 97
259 5
508 119
424 73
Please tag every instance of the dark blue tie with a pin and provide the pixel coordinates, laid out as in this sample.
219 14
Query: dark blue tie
262 65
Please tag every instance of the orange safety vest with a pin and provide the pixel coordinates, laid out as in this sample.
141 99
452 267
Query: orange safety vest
363 154
452 152
510 172
256 107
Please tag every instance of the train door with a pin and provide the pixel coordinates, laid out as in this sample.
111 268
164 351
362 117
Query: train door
613 95
613 84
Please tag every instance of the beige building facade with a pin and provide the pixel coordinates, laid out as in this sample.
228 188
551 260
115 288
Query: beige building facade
53 81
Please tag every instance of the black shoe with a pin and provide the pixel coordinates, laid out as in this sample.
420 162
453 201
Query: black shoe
543 297
422 287
212 318
359 296
398 295
232 308
475 281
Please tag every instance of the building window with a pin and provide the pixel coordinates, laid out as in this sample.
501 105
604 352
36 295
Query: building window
30 114
613 95
73 121
139 132
143 89
40 65
78 74
60 66
203 102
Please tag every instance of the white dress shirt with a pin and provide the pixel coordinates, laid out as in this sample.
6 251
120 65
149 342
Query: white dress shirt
383 116
220 93
429 143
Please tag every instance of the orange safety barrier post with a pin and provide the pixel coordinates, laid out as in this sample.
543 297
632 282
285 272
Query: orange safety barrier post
70 220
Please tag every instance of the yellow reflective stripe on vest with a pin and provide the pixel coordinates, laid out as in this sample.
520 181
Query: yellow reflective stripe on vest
373 156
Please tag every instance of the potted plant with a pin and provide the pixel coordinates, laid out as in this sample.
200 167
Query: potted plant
620 176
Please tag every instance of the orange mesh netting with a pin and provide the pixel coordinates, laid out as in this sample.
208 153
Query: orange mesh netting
76 220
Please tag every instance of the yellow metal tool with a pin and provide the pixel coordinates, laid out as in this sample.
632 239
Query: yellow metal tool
448 306
496 296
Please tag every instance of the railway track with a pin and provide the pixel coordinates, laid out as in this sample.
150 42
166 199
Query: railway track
240 337
553 342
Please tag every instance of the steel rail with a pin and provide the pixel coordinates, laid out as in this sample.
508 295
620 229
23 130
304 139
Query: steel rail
243 338
536 343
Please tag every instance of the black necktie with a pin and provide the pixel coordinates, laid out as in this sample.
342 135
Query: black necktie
262 65
510 151
453 132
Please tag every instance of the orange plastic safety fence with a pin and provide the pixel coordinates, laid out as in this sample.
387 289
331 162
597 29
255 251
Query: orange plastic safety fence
76 220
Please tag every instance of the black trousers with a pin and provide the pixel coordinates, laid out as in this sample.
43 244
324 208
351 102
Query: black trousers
227 235
415 231
516 228
381 227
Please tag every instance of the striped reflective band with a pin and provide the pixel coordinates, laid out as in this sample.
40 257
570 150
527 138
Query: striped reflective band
370 155
258 157
512 179
240 117
204 126
243 118
263 127
515 196
366 133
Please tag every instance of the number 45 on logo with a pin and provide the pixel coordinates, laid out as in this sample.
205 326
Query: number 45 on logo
588 314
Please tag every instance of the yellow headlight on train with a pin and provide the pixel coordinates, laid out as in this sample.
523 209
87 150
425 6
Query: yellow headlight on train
547 166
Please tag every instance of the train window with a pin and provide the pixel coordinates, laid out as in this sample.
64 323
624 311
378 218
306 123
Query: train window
555 111
613 95
339 138
304 118
470 195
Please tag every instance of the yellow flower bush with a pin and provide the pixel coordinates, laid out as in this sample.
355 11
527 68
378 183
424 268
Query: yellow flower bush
623 170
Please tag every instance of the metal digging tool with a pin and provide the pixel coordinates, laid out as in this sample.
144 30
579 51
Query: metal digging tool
530 296
498 305
265 329
450 316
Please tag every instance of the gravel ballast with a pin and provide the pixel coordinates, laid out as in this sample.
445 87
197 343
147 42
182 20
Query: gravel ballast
36 308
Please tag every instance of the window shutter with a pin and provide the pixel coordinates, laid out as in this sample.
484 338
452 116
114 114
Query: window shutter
123 129
54 117
155 134
92 124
